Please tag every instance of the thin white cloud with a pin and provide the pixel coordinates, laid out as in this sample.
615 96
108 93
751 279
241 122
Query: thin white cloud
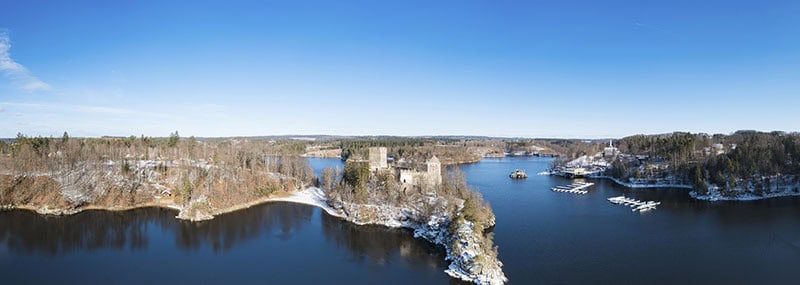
71 108
44 118
15 71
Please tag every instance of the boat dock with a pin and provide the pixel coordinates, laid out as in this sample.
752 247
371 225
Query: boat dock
575 188
637 205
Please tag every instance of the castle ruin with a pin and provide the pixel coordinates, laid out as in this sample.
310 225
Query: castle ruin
407 173
415 174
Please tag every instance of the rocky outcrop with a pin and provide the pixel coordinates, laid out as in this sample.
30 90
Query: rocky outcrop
469 258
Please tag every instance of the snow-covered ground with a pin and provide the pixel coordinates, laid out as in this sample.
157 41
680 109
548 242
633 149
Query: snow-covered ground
645 185
312 196
716 195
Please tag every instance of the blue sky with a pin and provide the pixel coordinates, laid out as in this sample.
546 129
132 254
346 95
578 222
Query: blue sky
585 69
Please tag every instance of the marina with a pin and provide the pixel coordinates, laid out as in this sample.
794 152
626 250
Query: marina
637 205
575 188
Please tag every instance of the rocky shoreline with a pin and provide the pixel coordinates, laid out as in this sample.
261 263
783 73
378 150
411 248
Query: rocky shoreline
463 247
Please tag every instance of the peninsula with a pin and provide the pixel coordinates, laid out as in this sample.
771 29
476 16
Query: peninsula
202 178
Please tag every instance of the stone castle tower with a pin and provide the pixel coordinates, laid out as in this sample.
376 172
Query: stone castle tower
433 171
377 158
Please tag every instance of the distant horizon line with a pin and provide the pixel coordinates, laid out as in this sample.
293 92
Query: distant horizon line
444 136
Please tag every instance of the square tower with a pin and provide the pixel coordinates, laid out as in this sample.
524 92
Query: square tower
434 171
377 158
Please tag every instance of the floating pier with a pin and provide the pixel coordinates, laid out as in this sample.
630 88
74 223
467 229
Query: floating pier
575 188
637 205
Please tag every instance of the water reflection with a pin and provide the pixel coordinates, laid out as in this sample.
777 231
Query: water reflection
29 232
278 220
380 245
273 239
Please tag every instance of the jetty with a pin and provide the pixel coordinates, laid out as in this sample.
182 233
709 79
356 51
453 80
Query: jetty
574 188
636 205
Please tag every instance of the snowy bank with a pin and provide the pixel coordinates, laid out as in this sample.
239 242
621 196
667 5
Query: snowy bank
747 194
717 196
644 185
312 196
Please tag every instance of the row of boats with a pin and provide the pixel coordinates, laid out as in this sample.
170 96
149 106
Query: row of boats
637 205
574 188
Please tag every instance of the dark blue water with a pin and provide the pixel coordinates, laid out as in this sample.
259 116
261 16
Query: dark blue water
544 237
552 237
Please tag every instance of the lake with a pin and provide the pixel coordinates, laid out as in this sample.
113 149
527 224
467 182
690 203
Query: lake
543 237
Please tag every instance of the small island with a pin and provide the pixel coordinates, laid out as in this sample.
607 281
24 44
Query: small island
518 174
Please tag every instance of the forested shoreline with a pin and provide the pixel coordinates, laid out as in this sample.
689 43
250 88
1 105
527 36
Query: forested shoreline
745 163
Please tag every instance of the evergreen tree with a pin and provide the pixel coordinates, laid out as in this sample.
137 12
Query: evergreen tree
173 139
